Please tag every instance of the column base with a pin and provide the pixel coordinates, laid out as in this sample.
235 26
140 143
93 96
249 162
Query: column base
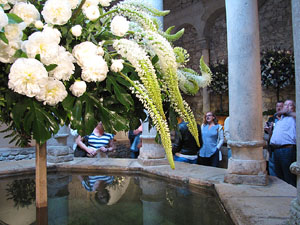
295 213
246 179
152 162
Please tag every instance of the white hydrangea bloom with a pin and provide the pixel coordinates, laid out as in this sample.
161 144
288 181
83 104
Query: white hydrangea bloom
3 19
119 26
84 51
105 3
14 32
57 12
40 43
26 76
53 92
95 69
65 67
27 12
117 65
76 30
7 51
38 24
92 12
74 3
78 88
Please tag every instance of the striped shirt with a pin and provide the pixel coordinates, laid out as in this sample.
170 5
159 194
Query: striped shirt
90 181
99 141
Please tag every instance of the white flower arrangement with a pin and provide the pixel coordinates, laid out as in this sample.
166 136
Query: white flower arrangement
78 63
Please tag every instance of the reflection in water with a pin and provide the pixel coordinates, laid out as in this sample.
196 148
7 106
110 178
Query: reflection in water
22 192
111 200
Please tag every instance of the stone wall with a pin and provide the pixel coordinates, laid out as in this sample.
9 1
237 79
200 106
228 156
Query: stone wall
15 154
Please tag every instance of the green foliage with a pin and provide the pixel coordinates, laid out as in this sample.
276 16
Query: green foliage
219 83
277 69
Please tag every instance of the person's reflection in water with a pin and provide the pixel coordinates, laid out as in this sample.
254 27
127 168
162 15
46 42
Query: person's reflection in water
97 184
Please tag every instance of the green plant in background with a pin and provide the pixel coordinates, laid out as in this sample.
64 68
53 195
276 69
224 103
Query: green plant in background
219 83
277 69
22 192
75 62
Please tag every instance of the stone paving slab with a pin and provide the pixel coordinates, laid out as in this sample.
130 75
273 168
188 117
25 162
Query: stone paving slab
246 204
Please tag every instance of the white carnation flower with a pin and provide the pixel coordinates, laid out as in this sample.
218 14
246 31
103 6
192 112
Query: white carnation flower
119 26
105 3
84 51
38 24
26 76
100 51
13 2
3 2
74 3
57 12
52 33
89 3
92 12
14 32
52 92
7 51
3 18
94 70
76 30
27 12
78 88
43 44
65 67
117 65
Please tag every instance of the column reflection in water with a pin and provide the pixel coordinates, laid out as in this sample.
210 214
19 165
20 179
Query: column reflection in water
153 195
58 199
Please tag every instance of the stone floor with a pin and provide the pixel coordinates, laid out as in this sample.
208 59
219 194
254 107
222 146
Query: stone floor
246 204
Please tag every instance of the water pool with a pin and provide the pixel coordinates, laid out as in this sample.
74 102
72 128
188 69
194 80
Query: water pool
89 199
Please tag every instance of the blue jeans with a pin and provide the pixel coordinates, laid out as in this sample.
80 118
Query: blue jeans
283 158
272 165
210 161
181 159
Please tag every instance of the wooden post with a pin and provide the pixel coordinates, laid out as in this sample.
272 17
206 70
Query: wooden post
41 175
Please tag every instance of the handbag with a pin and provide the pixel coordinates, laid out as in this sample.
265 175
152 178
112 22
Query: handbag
79 152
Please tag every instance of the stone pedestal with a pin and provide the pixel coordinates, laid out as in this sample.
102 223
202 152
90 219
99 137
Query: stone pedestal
247 165
58 149
295 167
151 153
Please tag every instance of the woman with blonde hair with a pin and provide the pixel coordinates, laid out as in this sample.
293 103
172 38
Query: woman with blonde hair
213 138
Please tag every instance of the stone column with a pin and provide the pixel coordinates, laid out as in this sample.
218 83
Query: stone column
57 147
247 164
206 99
295 167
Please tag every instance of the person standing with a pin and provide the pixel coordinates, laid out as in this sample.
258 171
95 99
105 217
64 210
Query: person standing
213 138
283 142
185 148
271 122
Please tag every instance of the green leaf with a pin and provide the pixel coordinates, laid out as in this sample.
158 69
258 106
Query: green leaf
38 57
13 18
20 54
3 38
51 67
121 94
154 60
